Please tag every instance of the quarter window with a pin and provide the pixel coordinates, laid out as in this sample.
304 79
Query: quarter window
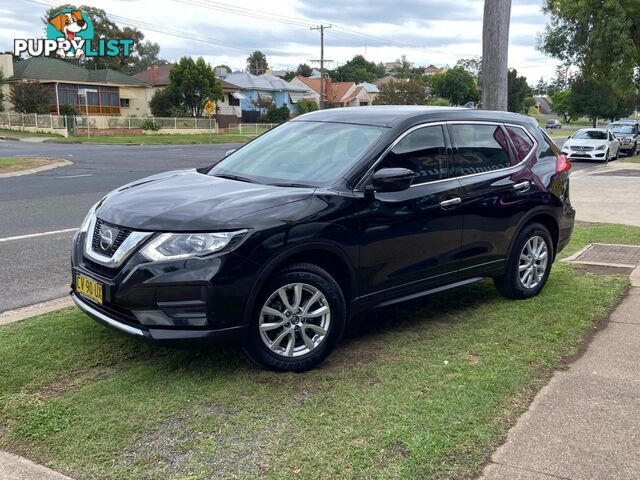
521 141
423 151
481 148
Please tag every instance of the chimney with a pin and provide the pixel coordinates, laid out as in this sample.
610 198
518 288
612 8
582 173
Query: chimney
6 64
154 74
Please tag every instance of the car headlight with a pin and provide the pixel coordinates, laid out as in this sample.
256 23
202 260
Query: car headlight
601 147
174 246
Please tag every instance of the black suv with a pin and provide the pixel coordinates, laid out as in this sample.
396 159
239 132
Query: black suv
282 242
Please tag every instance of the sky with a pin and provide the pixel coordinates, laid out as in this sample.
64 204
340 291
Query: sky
435 32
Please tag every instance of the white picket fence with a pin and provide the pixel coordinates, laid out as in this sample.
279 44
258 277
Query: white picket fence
249 128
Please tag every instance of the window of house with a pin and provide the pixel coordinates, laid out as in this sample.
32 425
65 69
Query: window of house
521 141
423 151
233 101
481 148
124 102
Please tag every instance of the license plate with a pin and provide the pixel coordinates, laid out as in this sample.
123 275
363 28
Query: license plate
89 288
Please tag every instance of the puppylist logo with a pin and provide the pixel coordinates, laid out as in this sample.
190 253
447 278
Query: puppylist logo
70 35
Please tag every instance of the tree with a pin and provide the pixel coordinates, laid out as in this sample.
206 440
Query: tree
518 91
473 65
404 68
409 92
257 63
456 85
29 97
597 99
305 106
262 102
357 70
191 84
103 27
161 103
560 104
541 87
602 38
495 48
304 70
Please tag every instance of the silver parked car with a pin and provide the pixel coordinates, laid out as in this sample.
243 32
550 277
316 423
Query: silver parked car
592 144
627 131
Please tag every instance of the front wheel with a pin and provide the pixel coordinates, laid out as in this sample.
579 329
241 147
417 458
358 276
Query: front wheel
529 264
300 317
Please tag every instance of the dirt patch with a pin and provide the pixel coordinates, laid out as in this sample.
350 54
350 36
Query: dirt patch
601 269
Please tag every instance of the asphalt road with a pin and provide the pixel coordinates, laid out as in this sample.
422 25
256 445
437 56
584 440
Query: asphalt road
36 268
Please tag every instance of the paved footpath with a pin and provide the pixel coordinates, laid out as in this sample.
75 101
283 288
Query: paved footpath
13 467
585 424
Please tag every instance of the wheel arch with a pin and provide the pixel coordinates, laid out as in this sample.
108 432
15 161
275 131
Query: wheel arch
545 218
325 255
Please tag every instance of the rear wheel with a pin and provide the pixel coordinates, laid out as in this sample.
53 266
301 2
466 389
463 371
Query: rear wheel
300 317
529 264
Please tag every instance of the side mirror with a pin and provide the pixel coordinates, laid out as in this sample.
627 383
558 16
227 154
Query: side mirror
391 180
229 152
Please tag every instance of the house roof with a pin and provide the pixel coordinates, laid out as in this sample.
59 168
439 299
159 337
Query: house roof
156 75
387 79
51 69
369 87
265 82
336 91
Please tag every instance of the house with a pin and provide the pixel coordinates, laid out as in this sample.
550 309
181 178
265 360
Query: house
384 80
109 92
266 86
392 67
227 110
432 70
341 94
371 89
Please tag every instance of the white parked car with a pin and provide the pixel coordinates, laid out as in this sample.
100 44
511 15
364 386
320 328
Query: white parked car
592 144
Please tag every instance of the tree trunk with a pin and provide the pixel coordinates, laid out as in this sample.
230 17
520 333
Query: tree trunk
595 121
495 49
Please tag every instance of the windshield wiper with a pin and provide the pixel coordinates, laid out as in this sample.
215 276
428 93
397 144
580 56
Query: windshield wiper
235 177
298 185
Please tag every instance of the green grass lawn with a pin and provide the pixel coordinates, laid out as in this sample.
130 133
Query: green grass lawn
6 133
427 389
158 139
13 164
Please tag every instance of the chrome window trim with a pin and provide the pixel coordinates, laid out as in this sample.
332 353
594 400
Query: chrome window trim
121 254
358 187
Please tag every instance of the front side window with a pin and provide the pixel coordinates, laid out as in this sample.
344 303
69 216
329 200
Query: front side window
480 148
309 153
423 151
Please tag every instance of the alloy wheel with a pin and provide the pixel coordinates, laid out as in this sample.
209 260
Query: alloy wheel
294 320
533 262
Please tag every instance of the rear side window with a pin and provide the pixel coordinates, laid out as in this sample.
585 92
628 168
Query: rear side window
423 151
521 141
481 148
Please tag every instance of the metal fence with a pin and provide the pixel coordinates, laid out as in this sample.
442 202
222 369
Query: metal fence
18 120
249 128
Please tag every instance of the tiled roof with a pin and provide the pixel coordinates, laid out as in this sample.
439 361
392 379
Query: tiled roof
44 68
336 91
156 75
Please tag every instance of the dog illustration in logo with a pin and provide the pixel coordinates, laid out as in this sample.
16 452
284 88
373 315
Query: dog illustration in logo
69 24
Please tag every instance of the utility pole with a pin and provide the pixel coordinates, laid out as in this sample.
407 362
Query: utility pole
495 53
321 28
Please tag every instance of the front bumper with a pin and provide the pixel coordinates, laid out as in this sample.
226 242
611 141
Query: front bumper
166 336
580 155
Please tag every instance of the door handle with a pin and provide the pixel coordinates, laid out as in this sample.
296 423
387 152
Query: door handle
452 202
522 186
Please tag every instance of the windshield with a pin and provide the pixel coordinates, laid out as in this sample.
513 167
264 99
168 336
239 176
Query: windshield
303 153
590 135
621 128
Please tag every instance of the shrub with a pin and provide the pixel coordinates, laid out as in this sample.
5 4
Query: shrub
438 102
275 115
306 106
68 110
149 124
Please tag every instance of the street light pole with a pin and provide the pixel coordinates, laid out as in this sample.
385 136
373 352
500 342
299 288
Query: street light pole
495 50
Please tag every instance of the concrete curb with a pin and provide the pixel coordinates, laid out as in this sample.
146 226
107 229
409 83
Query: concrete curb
29 171
11 316
17 468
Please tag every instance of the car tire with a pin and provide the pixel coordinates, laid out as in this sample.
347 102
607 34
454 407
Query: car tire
606 156
515 283
280 334
617 157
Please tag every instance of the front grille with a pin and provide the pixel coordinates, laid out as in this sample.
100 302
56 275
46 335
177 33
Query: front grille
100 269
120 236
582 149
